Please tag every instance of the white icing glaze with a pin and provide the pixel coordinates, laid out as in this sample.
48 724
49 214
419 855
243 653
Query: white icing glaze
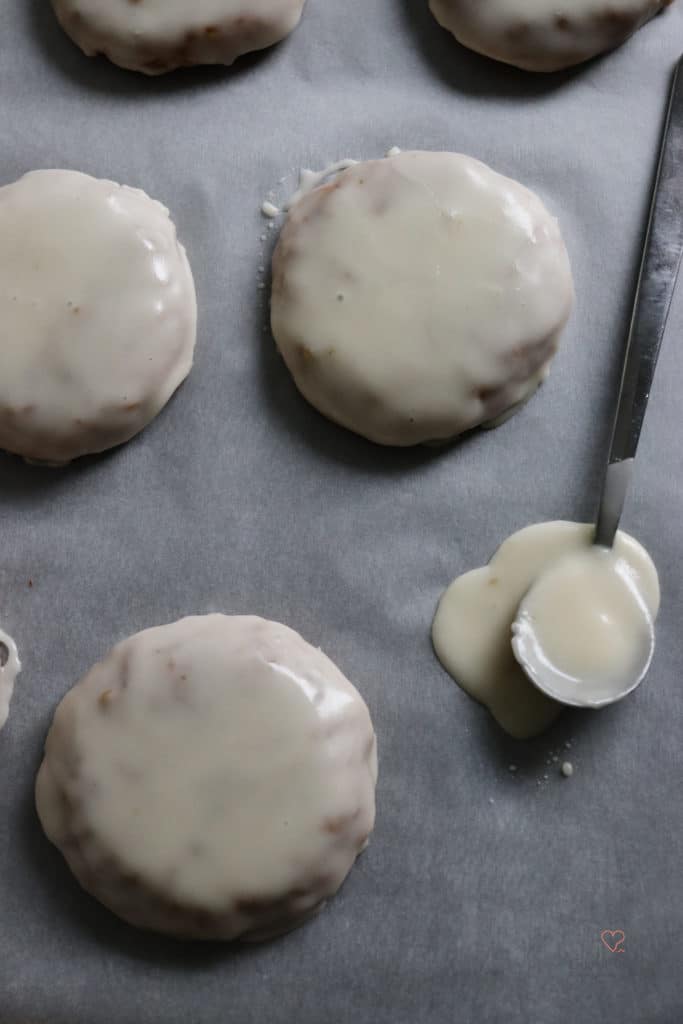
472 626
98 310
543 35
588 626
419 296
155 36
10 667
224 765
309 180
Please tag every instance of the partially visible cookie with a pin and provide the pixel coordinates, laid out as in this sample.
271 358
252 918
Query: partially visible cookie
419 296
155 36
98 314
543 35
10 666
211 779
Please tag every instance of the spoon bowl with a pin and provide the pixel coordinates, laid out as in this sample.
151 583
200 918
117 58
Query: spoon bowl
589 595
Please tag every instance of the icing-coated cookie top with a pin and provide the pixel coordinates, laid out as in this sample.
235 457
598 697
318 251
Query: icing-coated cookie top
98 309
224 763
543 35
419 296
154 36
10 666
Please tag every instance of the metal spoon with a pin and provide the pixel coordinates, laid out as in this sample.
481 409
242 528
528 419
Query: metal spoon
656 283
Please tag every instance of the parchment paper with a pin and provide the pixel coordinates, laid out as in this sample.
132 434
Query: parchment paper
484 892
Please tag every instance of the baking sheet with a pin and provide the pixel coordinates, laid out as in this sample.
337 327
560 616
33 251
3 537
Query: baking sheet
484 892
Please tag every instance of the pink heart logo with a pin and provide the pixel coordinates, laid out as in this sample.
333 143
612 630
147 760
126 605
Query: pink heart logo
614 940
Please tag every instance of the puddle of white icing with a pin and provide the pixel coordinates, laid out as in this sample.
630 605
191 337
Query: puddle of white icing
472 627
587 629
10 666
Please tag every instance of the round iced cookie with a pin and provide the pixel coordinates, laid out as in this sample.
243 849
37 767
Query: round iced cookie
543 35
418 296
98 310
211 779
155 36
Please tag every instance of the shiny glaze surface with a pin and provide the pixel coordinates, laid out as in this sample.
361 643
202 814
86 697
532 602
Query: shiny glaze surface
155 36
543 35
211 778
418 296
98 310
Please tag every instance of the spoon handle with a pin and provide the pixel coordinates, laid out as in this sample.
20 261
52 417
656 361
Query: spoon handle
656 283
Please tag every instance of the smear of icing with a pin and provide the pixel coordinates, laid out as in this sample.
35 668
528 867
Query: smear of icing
308 180
10 666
